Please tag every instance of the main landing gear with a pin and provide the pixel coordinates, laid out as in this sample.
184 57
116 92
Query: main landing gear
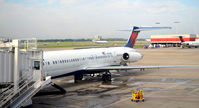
106 77
78 77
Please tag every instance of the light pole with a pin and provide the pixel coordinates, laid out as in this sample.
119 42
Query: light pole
157 23
176 22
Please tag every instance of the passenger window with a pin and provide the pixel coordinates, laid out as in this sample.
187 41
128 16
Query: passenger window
37 65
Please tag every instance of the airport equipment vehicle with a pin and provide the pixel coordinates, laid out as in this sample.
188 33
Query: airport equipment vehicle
96 60
21 74
188 44
137 95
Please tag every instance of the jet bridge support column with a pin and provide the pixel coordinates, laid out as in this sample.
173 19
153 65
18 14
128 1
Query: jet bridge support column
16 64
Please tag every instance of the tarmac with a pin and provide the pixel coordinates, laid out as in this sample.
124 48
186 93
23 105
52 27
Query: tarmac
163 88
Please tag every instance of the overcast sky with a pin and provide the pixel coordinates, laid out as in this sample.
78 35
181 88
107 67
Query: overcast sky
87 18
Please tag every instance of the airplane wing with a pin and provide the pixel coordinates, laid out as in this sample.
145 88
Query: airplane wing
137 67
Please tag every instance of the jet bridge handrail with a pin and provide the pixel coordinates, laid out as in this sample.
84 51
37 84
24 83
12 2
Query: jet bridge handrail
12 93
29 77
19 81
22 78
25 84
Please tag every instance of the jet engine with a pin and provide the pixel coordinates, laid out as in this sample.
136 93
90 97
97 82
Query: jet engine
131 57
125 56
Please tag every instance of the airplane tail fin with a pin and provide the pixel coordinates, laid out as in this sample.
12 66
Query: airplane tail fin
131 41
181 39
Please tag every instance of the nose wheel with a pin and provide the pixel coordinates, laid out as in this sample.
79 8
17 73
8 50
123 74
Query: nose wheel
106 77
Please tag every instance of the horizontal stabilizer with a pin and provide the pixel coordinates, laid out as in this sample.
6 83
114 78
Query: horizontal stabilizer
146 28
151 28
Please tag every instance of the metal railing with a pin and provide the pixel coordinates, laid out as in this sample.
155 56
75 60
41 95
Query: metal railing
29 43
11 95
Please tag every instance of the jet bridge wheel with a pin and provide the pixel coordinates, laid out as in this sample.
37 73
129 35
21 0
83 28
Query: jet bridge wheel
78 77
106 77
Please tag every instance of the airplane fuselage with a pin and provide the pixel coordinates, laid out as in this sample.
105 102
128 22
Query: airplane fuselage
191 44
66 62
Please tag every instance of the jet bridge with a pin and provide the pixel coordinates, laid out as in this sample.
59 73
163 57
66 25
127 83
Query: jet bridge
21 75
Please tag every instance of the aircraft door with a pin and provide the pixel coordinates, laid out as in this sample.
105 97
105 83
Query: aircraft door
37 70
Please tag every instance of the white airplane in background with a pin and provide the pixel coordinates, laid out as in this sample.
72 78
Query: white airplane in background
97 39
189 44
95 60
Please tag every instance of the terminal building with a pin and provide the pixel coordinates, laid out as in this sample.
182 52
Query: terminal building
171 40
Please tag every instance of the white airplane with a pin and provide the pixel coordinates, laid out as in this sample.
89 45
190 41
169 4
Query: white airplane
97 39
95 60
189 44
99 42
